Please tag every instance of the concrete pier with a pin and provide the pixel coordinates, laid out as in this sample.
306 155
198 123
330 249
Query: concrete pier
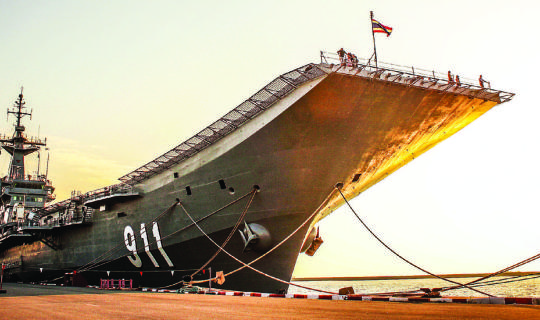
50 302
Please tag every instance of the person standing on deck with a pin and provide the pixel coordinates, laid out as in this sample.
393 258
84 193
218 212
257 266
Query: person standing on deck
355 60
349 59
341 54
482 81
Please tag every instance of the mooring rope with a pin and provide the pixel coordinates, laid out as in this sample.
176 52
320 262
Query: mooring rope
479 284
338 187
96 262
519 264
506 280
100 260
233 231
207 216
243 263
476 283
248 265
286 238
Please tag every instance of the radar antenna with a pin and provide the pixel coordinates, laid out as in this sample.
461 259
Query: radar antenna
19 146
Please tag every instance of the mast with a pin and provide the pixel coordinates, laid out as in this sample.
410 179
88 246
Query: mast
22 194
47 170
39 162
19 146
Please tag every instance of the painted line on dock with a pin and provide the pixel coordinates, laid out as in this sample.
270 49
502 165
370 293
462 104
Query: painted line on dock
356 297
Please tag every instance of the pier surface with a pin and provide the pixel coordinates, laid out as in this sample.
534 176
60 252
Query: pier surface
43 302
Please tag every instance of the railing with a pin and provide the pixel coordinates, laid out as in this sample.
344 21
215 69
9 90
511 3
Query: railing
116 284
276 90
62 221
36 141
393 72
14 227
10 264
71 217
260 101
119 188
32 140
30 178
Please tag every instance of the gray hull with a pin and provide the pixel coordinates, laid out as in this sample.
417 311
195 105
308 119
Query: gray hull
342 126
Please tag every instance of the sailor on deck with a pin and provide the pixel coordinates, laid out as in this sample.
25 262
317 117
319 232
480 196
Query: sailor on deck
341 54
482 81
349 59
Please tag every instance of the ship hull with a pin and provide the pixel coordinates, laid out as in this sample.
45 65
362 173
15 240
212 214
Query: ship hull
186 256
338 128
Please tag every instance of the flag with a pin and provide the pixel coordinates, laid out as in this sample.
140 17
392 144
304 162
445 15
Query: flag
378 27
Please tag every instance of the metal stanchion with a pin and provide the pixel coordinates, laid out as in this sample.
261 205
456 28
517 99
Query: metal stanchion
210 279
2 279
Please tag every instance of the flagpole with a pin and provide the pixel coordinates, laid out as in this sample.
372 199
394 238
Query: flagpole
373 34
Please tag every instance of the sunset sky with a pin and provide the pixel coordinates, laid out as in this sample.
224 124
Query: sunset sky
113 84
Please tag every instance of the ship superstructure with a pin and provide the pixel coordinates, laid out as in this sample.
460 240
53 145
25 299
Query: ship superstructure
252 184
22 193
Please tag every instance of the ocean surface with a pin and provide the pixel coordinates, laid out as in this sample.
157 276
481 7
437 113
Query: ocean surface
497 286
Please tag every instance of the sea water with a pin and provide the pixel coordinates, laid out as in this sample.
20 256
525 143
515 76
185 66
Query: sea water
528 287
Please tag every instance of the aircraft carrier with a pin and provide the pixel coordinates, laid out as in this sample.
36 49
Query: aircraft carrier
242 196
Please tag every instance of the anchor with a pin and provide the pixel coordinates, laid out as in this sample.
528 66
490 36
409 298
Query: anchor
248 236
255 237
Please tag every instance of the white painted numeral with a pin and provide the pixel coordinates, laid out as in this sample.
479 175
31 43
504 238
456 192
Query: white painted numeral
155 230
144 236
131 245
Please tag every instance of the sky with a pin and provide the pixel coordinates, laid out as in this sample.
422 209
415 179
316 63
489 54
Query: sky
114 84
